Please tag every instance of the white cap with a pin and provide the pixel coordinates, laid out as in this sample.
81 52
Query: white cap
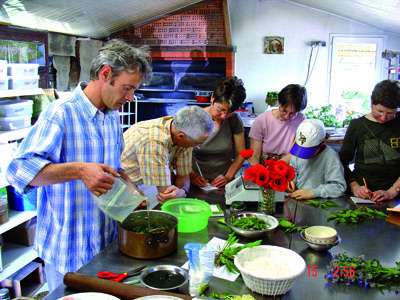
309 135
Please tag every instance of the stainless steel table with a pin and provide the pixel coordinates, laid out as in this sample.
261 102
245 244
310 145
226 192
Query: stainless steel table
375 239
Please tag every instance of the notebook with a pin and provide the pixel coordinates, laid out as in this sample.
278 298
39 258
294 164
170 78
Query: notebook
357 200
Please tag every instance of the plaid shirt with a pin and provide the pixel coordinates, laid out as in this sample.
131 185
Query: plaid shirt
150 155
70 229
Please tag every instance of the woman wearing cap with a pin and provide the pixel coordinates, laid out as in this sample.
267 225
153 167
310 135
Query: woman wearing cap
373 141
212 161
272 133
319 172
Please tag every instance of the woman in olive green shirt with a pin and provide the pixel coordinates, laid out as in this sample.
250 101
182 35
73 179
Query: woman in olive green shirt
217 160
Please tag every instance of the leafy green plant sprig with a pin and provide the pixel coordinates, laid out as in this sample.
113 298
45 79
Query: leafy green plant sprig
323 204
290 227
359 215
228 296
365 273
325 114
226 255
250 223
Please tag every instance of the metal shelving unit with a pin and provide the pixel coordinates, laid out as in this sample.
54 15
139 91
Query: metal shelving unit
14 256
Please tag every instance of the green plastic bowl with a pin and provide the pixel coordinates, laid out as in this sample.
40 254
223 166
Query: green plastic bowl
192 214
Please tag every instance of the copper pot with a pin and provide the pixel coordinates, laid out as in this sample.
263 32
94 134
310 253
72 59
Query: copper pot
152 244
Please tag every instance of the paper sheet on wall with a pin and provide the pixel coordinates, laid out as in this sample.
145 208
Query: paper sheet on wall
216 244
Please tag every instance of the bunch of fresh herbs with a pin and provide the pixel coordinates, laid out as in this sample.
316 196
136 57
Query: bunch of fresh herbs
228 252
364 273
228 296
359 215
250 223
290 227
324 204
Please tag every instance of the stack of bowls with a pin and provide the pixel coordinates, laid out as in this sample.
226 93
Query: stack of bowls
320 237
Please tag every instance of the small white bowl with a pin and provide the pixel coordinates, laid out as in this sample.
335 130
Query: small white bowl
320 247
323 235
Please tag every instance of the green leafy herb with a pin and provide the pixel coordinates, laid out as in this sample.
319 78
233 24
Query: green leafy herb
364 273
250 223
359 215
327 204
228 252
290 227
325 114
230 296
202 289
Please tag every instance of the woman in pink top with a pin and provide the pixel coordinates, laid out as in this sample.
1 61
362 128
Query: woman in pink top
273 132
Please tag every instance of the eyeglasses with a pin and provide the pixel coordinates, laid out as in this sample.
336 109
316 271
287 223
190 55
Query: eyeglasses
387 114
220 109
285 112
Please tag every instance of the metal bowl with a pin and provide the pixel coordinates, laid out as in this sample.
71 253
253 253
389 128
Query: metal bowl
320 247
272 221
164 277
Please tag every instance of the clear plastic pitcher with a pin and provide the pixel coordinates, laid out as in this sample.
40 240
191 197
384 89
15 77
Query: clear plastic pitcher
120 200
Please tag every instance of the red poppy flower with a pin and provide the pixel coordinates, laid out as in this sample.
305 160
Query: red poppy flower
250 173
269 163
246 153
278 183
262 178
290 173
280 167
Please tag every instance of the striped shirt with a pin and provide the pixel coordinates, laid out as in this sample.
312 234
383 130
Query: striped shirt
70 229
149 154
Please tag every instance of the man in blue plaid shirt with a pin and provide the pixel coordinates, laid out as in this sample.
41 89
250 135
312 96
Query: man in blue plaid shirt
72 152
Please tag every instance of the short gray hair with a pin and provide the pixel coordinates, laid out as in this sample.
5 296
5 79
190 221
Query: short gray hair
121 56
194 121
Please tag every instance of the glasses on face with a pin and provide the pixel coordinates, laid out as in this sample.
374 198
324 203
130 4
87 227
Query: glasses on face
387 114
220 109
285 112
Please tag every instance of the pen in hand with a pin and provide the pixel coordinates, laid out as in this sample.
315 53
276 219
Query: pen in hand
203 181
365 184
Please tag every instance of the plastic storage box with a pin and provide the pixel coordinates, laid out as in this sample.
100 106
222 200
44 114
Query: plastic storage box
14 123
23 82
3 84
28 70
21 202
13 108
3 69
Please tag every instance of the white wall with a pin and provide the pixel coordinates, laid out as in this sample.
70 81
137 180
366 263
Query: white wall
252 20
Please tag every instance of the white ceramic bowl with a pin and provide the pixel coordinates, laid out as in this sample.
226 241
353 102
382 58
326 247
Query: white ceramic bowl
269 270
323 235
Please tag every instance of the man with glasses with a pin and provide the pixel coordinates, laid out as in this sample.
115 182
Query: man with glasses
74 152
373 141
158 153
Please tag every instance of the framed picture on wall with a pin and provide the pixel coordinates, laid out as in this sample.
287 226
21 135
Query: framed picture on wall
274 44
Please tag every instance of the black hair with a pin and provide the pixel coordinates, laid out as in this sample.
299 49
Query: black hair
386 93
295 95
231 91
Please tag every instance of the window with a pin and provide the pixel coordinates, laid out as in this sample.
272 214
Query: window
22 52
356 66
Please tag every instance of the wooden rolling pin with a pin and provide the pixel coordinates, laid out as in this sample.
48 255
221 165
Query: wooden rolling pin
123 291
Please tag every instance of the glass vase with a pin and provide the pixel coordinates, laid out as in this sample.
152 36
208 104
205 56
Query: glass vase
266 204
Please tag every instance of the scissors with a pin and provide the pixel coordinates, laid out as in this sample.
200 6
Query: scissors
118 277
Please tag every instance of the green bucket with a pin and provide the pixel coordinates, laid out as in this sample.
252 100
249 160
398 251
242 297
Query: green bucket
192 214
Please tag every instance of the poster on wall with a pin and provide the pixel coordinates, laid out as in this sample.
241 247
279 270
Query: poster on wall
274 45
